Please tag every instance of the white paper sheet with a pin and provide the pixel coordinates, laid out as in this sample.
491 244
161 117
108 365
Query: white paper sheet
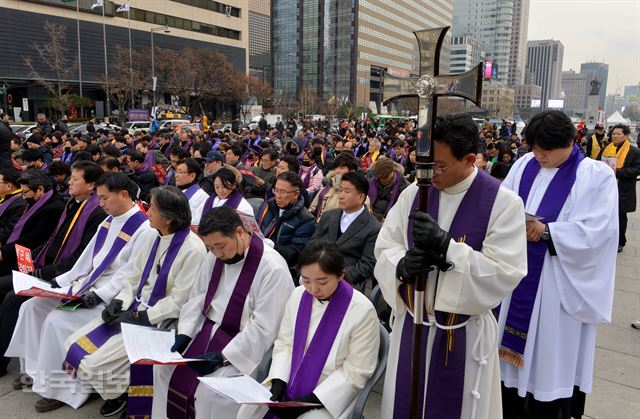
145 345
245 390
27 285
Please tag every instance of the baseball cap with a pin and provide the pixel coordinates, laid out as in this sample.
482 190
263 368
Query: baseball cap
214 156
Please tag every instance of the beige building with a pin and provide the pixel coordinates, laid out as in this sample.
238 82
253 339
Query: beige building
498 99
524 94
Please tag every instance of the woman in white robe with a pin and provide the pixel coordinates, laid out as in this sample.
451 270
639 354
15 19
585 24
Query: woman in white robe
226 186
351 357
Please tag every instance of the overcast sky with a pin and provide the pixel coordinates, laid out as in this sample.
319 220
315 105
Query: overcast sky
592 30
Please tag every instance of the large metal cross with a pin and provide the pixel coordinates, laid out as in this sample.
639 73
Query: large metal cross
428 86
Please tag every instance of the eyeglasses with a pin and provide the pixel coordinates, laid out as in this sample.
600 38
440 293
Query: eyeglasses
282 192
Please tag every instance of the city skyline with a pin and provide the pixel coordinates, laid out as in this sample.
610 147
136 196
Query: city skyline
615 42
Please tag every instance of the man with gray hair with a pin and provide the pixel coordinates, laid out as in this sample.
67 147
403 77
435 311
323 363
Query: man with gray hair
147 297
43 125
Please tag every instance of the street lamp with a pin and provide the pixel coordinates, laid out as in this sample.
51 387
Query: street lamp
165 29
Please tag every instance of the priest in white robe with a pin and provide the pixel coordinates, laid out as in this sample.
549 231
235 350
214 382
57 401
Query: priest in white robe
187 173
341 357
231 318
42 328
154 289
475 230
547 343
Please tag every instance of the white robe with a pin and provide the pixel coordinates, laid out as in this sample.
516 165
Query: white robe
261 317
196 203
351 361
476 284
576 287
41 330
111 356
243 206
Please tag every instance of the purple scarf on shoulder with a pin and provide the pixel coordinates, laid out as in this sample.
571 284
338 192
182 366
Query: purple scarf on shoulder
17 229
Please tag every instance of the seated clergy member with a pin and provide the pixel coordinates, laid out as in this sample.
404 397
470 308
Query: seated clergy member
36 224
352 227
284 219
154 288
75 229
327 346
38 339
12 205
385 187
227 193
187 174
231 318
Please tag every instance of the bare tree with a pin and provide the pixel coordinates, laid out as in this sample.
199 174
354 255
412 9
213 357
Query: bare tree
54 57
124 81
248 91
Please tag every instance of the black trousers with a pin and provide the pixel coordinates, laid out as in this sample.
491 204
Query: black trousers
622 219
516 407
9 310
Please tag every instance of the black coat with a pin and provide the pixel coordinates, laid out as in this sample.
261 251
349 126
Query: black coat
146 181
5 145
36 231
356 243
10 217
627 180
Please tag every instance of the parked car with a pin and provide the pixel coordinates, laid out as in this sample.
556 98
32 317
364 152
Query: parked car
172 123
83 128
132 127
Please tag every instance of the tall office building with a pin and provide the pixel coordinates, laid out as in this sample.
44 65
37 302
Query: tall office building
340 49
544 61
490 22
576 88
196 24
260 39
466 53
600 72
519 28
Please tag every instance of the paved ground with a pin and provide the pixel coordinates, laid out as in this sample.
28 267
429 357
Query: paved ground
616 390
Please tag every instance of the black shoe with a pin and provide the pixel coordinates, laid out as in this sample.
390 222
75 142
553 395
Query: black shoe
620 249
114 406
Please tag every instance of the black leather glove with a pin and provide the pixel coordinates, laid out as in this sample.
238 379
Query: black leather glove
418 261
428 235
294 412
112 310
212 361
181 343
37 273
54 284
141 318
278 387
89 300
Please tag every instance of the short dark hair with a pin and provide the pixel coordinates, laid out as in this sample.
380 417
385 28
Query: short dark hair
135 156
358 180
59 167
91 171
326 254
173 205
550 130
346 160
292 162
116 182
34 179
10 175
192 166
109 161
290 177
625 128
459 131
223 220
227 177
32 154
93 149
271 153
179 152
236 149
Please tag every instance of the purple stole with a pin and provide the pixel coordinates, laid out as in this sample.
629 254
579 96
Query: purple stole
7 202
233 201
17 229
191 190
373 192
307 180
184 381
74 233
128 230
170 173
141 376
447 365
523 297
320 204
216 145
